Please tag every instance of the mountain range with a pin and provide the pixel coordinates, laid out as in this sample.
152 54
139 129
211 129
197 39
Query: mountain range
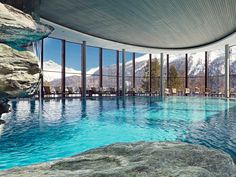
196 68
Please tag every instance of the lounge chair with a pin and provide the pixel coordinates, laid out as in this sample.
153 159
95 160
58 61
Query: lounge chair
167 91
101 91
214 93
140 92
155 93
47 91
57 90
217 93
173 91
112 91
207 91
220 93
180 92
94 91
232 92
70 90
186 91
196 91
132 92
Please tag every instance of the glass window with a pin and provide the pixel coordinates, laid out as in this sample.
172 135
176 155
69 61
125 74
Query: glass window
92 67
177 72
216 71
196 72
233 71
109 69
128 71
52 63
73 67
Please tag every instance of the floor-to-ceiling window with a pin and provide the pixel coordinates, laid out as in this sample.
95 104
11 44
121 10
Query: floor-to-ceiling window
52 63
140 64
177 72
196 72
216 71
155 73
142 77
128 71
92 67
109 70
73 67
233 71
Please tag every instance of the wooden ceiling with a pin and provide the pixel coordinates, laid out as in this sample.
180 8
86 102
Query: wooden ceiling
157 24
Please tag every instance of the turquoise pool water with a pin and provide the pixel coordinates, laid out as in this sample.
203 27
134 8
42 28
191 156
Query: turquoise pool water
69 127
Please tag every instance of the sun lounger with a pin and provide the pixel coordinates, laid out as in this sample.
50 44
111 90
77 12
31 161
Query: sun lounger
167 91
233 92
173 91
186 91
207 91
47 91
196 91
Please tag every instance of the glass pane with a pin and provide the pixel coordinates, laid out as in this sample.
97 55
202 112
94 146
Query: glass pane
216 71
128 71
155 73
196 72
52 63
233 71
177 72
92 67
109 69
73 67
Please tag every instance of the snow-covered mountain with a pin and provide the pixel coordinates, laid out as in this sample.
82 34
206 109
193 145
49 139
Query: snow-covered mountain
196 68
52 71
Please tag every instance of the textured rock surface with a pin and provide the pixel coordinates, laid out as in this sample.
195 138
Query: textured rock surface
19 72
18 29
137 159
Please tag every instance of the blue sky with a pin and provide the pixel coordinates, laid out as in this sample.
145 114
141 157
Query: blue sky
52 51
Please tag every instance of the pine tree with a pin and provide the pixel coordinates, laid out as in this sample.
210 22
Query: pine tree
155 76
174 80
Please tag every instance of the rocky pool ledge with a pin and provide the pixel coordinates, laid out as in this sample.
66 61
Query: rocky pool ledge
136 159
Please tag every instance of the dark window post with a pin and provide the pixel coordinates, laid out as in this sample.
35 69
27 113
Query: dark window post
206 71
63 65
162 87
227 53
150 74
41 66
83 69
134 70
168 70
123 72
100 68
186 70
117 74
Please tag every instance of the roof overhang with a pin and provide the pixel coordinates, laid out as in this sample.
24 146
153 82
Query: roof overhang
70 35
169 26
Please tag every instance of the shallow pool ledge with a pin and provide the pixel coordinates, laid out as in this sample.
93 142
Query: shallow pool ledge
137 159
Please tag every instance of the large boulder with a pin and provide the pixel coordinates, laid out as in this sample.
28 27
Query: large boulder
137 159
19 72
18 29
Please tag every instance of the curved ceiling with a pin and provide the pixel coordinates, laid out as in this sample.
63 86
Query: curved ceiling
160 24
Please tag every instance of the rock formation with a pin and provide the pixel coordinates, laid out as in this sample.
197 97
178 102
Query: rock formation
137 159
19 72
19 69
18 29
